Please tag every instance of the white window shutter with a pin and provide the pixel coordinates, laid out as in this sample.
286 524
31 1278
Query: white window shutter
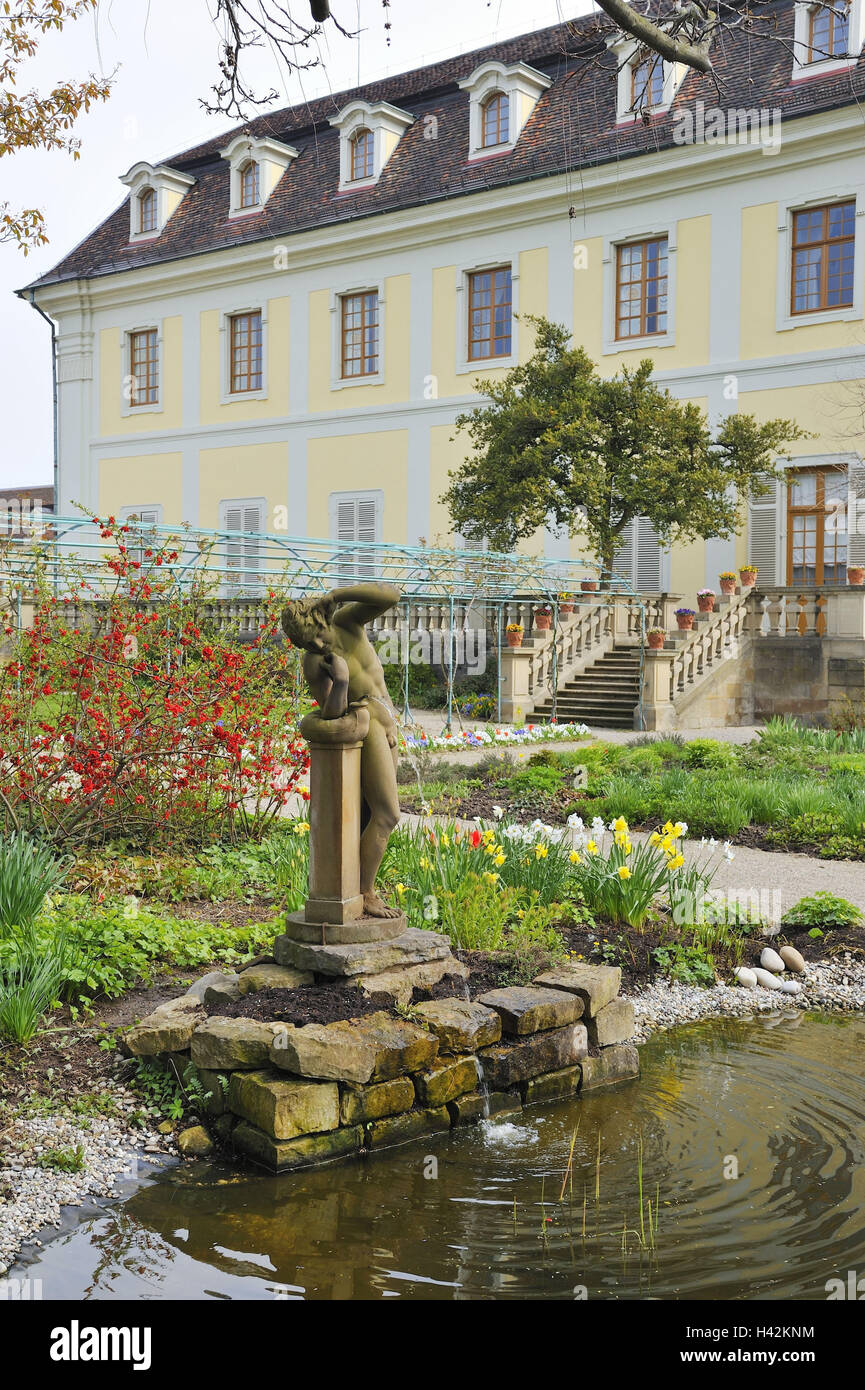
648 558
856 519
623 559
366 519
764 534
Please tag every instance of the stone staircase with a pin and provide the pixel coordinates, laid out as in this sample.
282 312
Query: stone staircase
604 695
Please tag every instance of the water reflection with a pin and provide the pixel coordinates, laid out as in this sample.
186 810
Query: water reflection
751 1134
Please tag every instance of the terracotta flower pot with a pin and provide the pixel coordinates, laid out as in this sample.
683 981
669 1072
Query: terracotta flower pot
856 574
543 621
656 640
728 586
706 603
514 639
566 609
685 621
588 586
748 578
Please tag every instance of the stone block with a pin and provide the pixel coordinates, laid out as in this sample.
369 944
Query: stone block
596 985
446 1082
556 1085
509 1065
169 1028
612 1024
399 1129
284 1109
374 1048
212 979
231 1044
413 947
359 1104
459 1025
399 984
467 1110
526 1010
272 977
612 1065
282 1156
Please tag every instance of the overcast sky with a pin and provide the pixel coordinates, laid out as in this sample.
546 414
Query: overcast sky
164 53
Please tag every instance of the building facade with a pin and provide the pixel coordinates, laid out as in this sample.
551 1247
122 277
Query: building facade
277 330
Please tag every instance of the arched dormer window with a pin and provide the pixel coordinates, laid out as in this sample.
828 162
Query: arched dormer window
363 155
828 31
249 185
495 122
647 81
147 214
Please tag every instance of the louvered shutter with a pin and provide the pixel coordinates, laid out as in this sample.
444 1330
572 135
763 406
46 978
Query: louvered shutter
764 534
623 560
856 518
648 558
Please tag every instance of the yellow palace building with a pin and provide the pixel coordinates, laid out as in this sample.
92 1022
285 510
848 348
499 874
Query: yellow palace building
276 330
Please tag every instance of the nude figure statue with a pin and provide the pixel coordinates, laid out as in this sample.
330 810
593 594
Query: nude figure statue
343 670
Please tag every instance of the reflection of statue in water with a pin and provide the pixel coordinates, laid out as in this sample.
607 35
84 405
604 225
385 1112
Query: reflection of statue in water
343 672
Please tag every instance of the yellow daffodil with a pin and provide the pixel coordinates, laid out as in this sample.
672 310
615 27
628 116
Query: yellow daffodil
541 851
620 823
491 878
400 888
489 836
521 914
302 827
591 847
499 860
424 862
574 857
445 841
624 872
654 838
678 829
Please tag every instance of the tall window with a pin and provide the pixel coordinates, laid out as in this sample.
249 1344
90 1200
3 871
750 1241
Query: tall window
147 210
647 82
359 334
823 242
828 31
144 367
245 352
363 155
816 527
494 120
355 518
490 300
242 548
249 187
641 288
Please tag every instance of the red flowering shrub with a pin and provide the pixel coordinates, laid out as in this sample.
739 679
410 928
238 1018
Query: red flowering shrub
133 720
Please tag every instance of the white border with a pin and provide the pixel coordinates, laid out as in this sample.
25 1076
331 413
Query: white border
784 319
611 343
337 381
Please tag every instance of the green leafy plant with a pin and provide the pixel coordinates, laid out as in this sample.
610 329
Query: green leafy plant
34 966
687 965
28 873
68 1160
823 910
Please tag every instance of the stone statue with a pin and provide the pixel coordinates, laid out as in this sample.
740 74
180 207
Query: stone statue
345 675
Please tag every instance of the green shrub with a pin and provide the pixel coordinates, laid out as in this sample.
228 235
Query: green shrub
34 966
686 965
823 910
708 752
28 873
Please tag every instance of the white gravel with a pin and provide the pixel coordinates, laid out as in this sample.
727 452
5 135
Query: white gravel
31 1196
837 986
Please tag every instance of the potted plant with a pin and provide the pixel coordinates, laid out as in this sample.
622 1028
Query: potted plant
656 637
856 575
685 618
728 581
543 617
588 586
706 600
748 576
566 604
514 634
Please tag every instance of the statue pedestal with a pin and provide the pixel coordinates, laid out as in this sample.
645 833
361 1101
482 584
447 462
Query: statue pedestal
334 818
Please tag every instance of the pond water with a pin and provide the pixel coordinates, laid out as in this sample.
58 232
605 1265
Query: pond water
780 1100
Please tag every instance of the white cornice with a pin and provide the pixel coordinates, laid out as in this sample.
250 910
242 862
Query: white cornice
681 169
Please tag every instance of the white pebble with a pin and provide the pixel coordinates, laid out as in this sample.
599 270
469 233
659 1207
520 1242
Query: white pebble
770 960
767 979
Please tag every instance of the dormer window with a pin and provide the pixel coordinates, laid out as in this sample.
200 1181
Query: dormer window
147 210
828 31
647 81
155 192
256 166
369 132
494 122
827 37
249 185
363 155
502 98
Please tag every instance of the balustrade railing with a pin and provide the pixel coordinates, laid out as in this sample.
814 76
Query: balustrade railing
706 645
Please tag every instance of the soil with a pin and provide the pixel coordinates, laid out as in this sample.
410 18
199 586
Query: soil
306 1004
229 912
833 942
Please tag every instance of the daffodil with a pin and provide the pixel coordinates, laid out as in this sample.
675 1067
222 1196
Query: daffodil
620 823
541 851
424 862
489 836
654 838
491 878
499 860
400 888
574 857
445 841
591 847
624 872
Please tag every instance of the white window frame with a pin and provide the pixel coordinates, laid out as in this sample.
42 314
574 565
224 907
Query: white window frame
464 364
226 395
383 120
169 185
337 381
612 344
513 81
272 158
825 66
127 409
626 50
784 319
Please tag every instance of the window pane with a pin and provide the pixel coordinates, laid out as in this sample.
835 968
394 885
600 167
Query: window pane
490 302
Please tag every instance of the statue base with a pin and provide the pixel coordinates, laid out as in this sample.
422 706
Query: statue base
298 927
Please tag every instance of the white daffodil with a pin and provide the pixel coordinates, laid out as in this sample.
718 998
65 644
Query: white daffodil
498 812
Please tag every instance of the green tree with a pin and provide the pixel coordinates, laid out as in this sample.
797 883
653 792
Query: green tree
560 443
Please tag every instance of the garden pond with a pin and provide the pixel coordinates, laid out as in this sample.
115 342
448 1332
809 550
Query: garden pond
734 1169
